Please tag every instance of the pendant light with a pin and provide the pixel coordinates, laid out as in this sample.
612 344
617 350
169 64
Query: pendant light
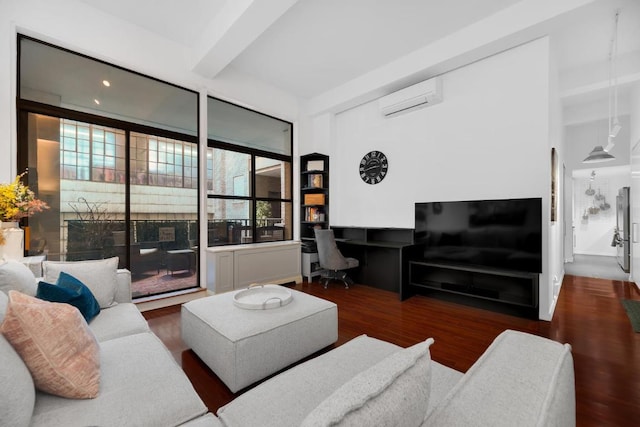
599 154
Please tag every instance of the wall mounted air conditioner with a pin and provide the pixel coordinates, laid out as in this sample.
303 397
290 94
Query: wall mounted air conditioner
420 95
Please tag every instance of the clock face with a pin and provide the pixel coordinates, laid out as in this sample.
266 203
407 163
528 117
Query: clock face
373 167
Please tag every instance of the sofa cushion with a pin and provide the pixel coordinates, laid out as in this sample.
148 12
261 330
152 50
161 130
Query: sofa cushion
17 392
97 275
16 276
72 291
520 380
55 343
141 385
118 321
286 399
393 392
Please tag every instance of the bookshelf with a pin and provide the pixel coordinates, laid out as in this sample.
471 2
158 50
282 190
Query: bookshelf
314 194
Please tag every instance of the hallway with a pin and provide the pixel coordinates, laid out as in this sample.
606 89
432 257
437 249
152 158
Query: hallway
600 267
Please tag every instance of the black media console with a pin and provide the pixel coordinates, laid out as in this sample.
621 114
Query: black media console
497 287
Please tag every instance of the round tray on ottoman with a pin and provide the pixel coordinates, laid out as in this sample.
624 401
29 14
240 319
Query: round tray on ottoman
262 297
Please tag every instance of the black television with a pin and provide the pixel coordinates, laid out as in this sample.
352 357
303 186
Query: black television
504 234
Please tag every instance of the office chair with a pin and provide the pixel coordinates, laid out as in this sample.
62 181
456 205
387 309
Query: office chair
331 260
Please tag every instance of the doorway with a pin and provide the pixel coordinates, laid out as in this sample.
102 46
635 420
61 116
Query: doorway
594 222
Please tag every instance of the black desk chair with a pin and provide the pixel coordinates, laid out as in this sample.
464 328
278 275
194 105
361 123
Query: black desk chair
331 260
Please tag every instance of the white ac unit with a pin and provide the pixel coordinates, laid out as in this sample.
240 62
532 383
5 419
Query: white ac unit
420 95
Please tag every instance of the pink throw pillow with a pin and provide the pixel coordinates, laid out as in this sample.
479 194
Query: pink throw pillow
56 344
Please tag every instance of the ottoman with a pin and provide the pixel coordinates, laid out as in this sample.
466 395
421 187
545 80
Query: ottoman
244 346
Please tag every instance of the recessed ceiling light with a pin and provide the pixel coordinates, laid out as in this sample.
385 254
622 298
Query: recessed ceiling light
107 83
97 101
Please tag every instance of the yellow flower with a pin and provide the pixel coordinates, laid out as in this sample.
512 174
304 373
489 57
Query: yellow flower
18 201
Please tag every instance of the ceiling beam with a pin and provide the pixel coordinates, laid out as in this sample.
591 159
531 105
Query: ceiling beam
233 29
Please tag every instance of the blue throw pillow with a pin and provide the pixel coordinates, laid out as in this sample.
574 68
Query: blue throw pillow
72 291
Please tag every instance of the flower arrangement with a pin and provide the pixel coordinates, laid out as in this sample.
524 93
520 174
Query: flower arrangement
18 201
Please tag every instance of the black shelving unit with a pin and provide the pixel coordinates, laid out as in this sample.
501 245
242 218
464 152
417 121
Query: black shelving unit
314 194
508 288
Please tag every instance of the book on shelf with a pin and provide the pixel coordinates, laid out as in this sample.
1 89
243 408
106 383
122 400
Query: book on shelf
315 180
315 165
314 214
314 199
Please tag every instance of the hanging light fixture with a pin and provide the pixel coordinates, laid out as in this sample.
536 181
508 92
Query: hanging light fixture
599 154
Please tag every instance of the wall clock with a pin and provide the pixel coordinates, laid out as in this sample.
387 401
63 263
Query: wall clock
373 167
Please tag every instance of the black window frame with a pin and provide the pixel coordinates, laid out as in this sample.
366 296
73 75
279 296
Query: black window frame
252 198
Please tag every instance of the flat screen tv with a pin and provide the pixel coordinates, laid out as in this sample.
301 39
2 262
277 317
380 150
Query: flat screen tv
505 234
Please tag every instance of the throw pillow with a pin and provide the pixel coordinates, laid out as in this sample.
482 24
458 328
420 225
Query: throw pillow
56 344
393 392
17 391
16 276
98 275
72 291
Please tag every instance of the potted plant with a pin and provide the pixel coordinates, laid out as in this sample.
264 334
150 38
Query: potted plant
17 201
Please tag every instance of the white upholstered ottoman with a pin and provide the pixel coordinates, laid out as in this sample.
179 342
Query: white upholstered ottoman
244 346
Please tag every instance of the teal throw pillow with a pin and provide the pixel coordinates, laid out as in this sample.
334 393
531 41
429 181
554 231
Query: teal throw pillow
72 291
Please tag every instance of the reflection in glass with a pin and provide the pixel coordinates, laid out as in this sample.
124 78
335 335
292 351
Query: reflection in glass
273 179
79 170
76 169
130 96
164 214
239 126
229 222
230 173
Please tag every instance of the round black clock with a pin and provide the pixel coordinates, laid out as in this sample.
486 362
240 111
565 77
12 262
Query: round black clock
373 167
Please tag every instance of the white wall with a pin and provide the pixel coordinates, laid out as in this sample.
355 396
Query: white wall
548 295
489 139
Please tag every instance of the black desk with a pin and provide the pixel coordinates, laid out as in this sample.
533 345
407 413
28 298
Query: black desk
383 254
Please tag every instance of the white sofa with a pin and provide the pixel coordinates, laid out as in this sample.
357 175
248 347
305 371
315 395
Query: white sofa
521 380
140 382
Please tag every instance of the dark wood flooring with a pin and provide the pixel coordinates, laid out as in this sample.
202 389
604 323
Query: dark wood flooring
589 316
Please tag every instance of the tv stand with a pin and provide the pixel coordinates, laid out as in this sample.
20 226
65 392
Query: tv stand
515 289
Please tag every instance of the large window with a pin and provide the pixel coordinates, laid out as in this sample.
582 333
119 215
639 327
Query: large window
115 155
249 170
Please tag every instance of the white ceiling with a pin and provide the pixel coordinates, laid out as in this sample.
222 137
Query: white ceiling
307 47
319 45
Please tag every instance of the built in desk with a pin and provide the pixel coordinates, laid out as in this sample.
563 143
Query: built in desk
383 254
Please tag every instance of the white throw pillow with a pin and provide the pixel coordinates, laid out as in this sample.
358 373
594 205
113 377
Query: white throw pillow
393 392
16 276
100 276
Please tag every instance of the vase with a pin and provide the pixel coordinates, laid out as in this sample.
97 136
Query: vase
13 247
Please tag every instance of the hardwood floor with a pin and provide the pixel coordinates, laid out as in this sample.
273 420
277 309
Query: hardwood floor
589 316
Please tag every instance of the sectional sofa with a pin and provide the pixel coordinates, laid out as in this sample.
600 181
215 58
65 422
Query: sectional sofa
521 380
140 382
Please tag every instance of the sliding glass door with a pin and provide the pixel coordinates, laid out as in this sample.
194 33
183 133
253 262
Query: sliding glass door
80 170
